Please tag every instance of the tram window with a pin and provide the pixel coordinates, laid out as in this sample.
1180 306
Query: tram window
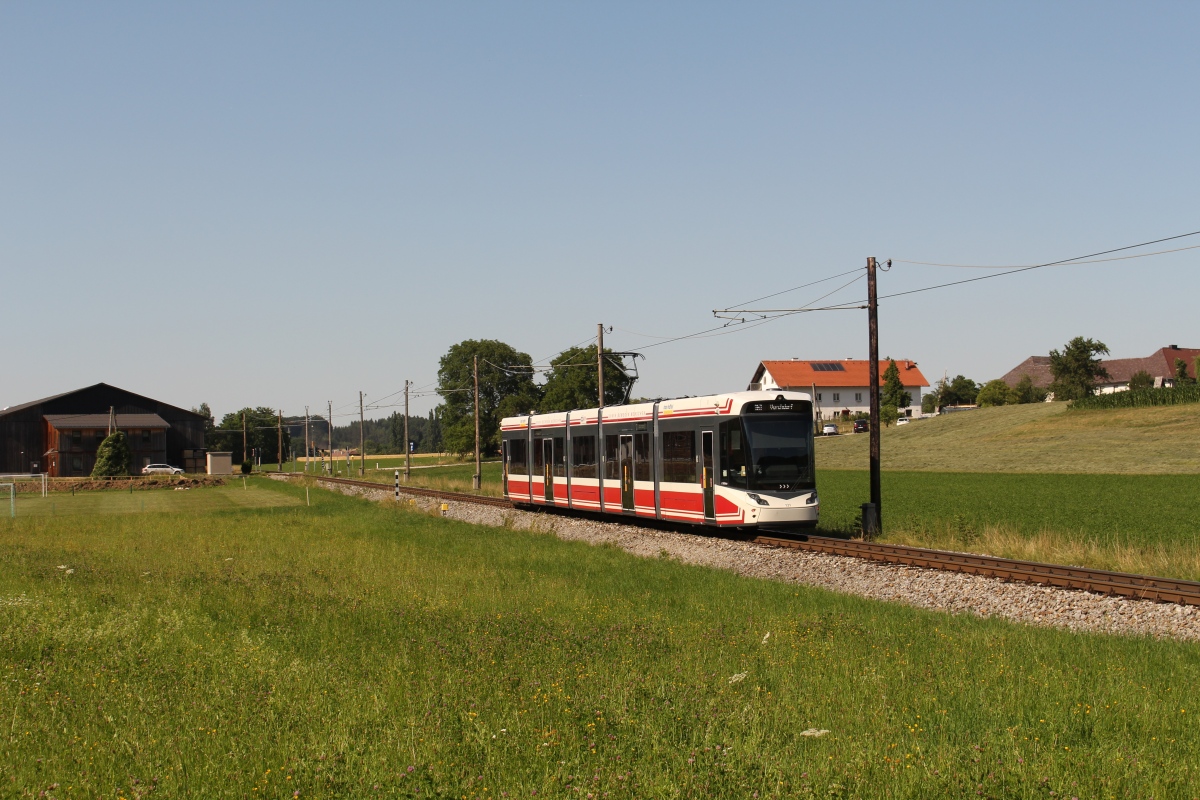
733 455
679 456
641 457
539 462
612 469
583 457
560 458
518 462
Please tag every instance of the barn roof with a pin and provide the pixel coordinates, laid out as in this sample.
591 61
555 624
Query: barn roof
90 421
1160 364
140 398
801 374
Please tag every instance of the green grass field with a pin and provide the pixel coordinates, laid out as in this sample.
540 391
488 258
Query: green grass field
1041 437
352 649
159 500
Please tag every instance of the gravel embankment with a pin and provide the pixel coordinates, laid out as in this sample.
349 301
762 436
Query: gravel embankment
944 591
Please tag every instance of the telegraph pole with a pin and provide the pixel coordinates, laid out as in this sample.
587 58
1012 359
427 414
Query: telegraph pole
329 428
362 442
407 447
244 456
307 451
873 328
600 365
279 440
477 481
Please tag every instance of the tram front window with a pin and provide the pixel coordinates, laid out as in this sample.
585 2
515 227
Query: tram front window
780 451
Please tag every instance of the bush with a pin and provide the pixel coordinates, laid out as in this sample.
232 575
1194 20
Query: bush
247 467
112 457
993 393
1141 380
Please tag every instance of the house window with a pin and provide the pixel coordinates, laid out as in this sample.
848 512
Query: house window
146 437
837 397
76 438
818 397
858 397
77 464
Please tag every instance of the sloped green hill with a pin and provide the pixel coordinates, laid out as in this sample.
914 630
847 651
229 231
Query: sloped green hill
1040 437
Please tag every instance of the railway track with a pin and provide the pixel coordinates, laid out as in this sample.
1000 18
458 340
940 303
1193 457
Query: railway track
1142 587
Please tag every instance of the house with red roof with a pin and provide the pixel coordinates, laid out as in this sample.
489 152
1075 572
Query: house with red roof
1160 365
839 388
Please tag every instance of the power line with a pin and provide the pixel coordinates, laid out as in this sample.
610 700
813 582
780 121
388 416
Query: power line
1073 261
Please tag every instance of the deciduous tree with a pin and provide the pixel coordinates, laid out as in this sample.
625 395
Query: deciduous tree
1141 380
571 381
993 393
1026 392
506 388
1077 368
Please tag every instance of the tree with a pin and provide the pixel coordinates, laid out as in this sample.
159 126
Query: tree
1141 380
1181 373
929 403
993 393
262 434
888 414
894 393
1077 369
571 381
506 388
112 456
1026 392
210 424
959 392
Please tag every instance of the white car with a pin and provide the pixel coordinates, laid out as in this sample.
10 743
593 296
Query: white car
161 469
902 421
829 430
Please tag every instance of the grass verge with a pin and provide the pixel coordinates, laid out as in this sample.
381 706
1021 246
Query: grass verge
354 649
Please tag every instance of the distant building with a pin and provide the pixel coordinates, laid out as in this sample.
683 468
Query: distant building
59 435
1160 365
839 388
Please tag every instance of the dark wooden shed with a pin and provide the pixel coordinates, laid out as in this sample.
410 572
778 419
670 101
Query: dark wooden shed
59 435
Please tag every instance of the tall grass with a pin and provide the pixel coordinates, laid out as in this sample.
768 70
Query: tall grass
1140 398
356 650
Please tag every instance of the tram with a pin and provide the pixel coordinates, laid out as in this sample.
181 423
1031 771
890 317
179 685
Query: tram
743 460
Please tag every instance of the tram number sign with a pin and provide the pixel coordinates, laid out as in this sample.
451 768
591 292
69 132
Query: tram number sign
776 406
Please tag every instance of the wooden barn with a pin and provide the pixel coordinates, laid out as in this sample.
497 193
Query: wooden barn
59 435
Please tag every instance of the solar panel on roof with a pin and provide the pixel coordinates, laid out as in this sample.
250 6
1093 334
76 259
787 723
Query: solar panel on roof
826 366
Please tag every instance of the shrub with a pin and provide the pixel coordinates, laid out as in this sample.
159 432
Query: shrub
993 393
1141 380
247 467
112 456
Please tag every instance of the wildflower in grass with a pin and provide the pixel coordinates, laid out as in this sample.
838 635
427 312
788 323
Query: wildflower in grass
69 572
61 566
768 636
814 732
741 676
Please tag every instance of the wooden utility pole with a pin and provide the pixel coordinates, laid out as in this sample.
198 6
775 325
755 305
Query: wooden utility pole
279 440
362 442
477 481
600 365
873 327
245 456
407 447
329 428
306 444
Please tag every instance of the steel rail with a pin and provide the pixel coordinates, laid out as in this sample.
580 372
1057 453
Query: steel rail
1124 584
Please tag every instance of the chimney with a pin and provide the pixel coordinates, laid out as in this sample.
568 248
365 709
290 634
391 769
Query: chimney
1174 347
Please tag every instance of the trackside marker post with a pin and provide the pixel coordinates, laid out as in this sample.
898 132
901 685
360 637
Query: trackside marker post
397 486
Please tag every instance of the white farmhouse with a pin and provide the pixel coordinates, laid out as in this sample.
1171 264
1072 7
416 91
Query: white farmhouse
839 388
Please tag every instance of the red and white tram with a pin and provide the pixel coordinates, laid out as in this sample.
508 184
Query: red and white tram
743 459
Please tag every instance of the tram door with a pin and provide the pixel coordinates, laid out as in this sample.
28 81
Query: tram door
706 476
504 464
548 468
626 455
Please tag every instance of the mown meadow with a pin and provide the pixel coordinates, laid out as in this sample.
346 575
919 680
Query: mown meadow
356 649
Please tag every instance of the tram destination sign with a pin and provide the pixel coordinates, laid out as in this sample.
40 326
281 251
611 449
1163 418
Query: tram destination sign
775 406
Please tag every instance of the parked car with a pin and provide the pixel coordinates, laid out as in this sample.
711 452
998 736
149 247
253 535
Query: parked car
161 469
861 426
902 421
829 430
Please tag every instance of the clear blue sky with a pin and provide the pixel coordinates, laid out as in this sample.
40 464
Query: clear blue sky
282 204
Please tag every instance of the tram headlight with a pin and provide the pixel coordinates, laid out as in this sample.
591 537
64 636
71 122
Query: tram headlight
757 499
